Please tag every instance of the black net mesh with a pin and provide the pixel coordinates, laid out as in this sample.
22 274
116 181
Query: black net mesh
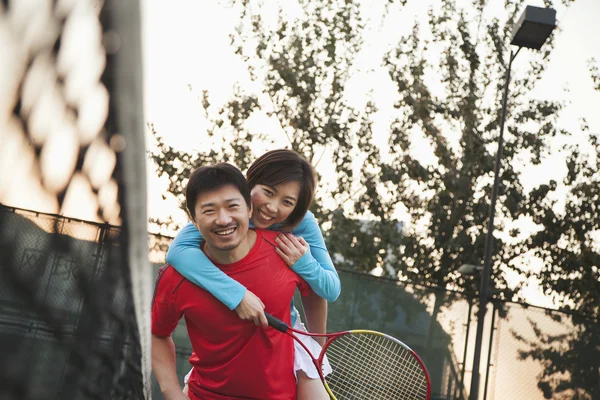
73 298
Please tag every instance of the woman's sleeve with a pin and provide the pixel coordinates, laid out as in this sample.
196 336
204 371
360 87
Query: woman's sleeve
316 267
190 261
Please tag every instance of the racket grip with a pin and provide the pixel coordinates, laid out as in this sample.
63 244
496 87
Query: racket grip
276 323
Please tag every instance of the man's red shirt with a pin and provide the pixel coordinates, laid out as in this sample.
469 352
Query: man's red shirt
234 358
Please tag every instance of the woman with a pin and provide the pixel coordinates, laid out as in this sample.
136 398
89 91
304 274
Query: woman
282 185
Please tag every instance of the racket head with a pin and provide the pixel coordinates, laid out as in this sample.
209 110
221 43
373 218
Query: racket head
372 365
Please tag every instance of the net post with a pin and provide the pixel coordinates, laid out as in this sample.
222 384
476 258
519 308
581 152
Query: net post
124 79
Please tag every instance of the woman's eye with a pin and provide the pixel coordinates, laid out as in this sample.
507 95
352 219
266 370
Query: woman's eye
268 192
288 203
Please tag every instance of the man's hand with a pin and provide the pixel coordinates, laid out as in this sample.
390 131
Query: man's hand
175 395
251 308
290 248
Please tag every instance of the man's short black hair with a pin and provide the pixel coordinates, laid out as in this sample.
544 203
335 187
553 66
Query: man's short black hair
212 177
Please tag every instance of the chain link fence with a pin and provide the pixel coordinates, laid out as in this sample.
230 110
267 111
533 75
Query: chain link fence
542 353
528 352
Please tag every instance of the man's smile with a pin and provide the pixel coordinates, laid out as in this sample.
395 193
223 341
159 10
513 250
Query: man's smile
225 231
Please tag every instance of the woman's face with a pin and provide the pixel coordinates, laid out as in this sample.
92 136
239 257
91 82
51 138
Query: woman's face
272 205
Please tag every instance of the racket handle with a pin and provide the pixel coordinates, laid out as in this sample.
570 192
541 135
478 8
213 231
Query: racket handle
276 323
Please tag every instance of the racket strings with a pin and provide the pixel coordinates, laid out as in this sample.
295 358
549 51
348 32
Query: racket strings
365 382
371 366
358 388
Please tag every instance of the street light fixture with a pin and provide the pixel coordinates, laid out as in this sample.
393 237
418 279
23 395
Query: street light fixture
534 27
531 31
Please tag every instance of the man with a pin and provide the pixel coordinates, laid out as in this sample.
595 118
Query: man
235 358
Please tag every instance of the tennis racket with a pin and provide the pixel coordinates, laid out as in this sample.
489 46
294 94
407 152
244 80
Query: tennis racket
366 365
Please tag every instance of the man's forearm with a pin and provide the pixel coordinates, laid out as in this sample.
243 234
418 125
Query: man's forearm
315 311
164 366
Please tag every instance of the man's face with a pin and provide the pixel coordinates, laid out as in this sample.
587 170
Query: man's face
222 217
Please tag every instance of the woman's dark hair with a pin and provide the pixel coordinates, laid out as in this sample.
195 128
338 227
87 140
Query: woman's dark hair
281 166
213 177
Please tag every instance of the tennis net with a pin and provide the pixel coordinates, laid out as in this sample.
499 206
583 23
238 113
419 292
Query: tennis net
74 298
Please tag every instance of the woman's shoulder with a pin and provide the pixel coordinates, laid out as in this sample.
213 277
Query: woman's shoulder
308 222
309 216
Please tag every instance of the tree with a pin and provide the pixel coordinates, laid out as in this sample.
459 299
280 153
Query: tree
452 193
570 271
449 75
447 197
566 244
303 64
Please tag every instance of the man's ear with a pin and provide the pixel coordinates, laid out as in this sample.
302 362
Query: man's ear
250 209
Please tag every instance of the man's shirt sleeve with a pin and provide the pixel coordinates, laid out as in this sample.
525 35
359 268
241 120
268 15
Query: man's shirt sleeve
165 313
303 287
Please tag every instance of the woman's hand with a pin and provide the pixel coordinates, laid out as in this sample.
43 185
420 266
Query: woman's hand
290 248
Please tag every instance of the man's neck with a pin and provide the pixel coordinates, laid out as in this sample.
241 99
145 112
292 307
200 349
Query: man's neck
234 255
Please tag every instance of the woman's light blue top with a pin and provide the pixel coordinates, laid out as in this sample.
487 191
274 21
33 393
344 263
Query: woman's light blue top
315 267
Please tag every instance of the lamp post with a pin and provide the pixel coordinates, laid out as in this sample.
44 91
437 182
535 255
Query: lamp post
531 31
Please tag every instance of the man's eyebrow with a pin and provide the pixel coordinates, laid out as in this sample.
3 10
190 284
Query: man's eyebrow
230 200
